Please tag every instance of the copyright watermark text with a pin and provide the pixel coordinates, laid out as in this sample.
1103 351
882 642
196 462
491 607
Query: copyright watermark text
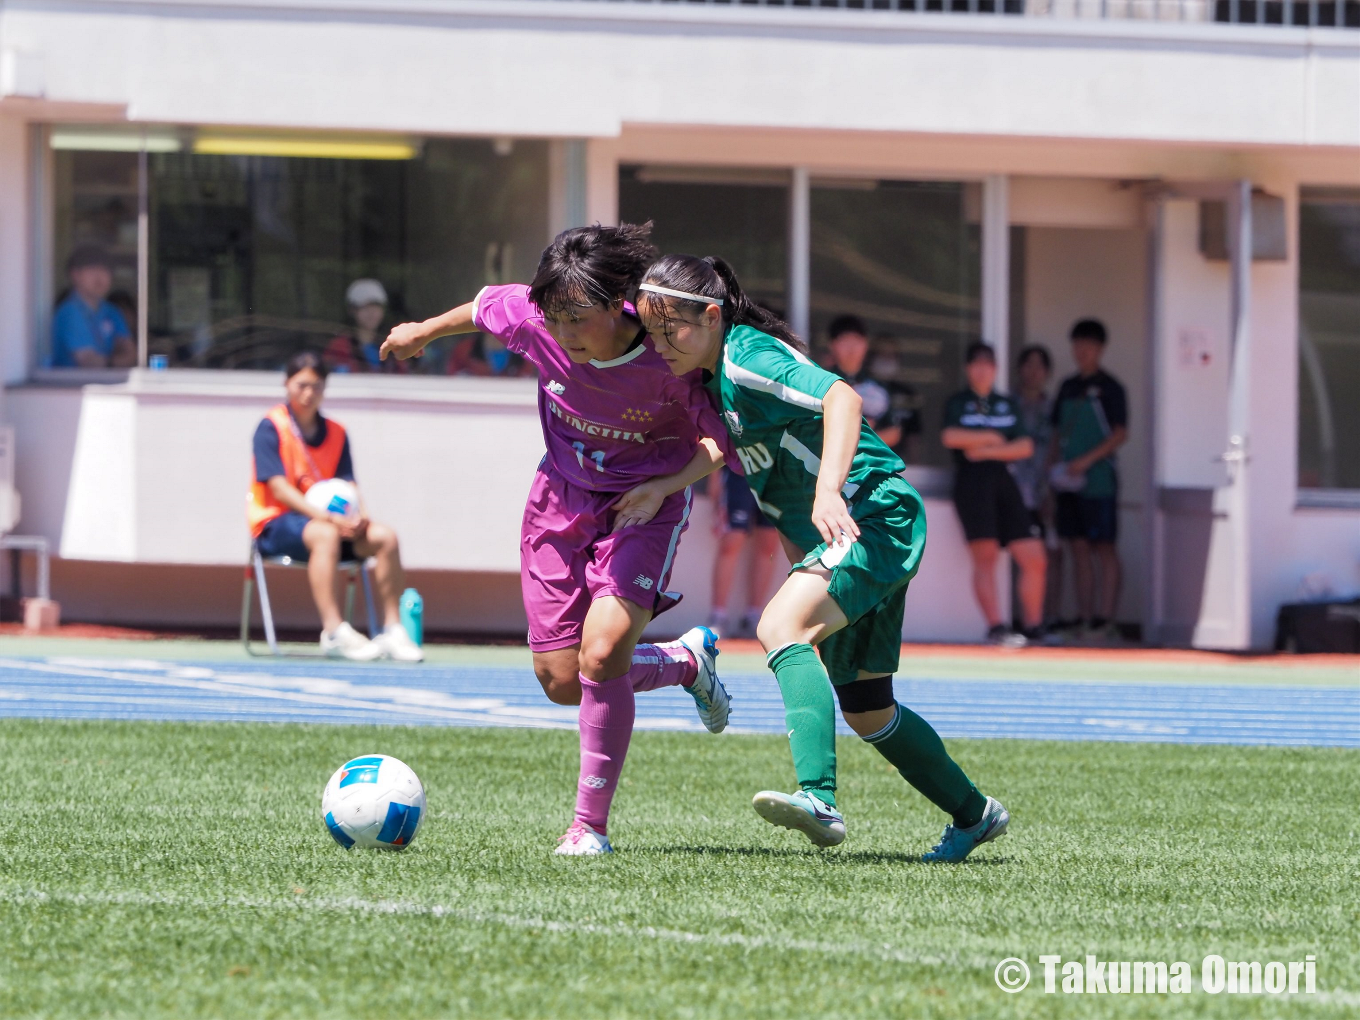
1216 976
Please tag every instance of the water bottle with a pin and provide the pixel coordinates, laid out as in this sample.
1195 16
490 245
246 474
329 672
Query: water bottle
412 608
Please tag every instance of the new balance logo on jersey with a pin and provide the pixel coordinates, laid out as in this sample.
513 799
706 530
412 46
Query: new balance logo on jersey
556 387
643 581
754 459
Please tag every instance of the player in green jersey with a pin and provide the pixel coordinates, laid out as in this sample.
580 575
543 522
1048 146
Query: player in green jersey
854 529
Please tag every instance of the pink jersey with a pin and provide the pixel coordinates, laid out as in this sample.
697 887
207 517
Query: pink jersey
608 425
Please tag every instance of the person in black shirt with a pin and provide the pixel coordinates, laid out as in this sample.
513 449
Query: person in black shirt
1090 422
889 407
983 429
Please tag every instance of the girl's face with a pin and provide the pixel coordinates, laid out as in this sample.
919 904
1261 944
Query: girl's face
684 340
305 390
586 332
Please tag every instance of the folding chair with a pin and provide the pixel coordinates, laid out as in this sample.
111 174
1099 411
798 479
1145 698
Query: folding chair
255 576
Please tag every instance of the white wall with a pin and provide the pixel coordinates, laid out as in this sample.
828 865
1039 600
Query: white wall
153 474
515 67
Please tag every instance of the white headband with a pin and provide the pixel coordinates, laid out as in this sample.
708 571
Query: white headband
704 298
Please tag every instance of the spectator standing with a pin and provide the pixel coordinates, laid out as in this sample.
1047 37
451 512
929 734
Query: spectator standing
1034 369
88 331
738 520
357 351
295 447
1090 419
888 406
983 429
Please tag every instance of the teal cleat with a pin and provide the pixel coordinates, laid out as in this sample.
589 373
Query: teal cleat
710 696
956 844
819 822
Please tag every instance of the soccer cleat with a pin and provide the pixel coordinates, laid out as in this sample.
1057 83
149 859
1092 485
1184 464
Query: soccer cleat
396 644
956 844
347 643
821 823
1004 637
710 696
582 841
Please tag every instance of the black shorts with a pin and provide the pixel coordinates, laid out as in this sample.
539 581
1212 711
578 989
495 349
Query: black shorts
990 505
1094 518
742 512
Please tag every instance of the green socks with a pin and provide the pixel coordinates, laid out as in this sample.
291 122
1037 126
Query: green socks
915 750
810 715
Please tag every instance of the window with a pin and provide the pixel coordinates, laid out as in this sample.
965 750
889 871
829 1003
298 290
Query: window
742 216
903 257
1329 339
256 238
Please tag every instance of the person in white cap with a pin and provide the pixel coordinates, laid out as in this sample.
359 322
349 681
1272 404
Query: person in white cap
357 350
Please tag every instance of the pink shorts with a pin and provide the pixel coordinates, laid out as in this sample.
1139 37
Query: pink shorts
568 558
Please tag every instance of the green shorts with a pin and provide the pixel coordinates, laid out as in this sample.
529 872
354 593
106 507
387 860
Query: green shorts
869 581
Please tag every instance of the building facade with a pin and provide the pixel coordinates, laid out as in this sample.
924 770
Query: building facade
1188 172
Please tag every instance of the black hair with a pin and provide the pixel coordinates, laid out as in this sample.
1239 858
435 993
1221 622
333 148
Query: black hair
843 324
303 360
591 266
88 255
1036 351
711 277
977 349
1089 329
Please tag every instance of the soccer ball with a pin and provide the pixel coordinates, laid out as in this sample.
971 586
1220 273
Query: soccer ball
335 496
374 801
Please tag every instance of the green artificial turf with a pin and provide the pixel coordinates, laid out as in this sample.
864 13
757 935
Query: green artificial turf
182 870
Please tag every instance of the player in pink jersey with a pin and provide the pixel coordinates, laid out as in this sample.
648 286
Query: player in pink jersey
611 498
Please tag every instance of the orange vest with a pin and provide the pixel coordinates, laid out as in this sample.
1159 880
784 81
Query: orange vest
303 466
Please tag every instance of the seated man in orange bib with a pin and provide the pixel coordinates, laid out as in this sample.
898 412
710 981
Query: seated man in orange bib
295 447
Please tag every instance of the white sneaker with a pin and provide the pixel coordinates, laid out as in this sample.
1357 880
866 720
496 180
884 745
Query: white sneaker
347 643
582 841
397 644
710 696
818 821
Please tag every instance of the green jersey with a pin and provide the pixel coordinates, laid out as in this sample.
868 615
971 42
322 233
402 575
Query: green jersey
771 401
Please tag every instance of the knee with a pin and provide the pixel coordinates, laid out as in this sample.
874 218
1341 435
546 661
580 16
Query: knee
774 633
560 689
598 657
383 537
322 537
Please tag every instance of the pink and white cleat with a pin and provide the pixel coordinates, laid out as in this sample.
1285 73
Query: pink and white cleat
583 841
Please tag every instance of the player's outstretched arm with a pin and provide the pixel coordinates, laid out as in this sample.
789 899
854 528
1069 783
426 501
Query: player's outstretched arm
842 409
642 502
409 339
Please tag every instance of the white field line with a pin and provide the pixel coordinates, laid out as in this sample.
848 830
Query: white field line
329 692
303 904
318 691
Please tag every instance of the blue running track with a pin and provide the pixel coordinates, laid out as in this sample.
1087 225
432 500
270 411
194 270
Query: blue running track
438 695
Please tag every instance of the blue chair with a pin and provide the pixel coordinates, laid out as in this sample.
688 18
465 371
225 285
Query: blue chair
255 576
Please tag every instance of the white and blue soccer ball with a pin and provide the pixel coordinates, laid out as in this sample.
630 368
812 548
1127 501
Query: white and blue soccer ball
374 801
335 496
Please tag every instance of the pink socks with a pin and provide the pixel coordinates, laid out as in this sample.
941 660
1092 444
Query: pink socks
607 711
668 665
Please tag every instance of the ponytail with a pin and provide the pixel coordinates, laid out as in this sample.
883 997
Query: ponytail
712 277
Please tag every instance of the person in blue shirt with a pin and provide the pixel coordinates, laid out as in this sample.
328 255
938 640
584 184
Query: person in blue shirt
87 331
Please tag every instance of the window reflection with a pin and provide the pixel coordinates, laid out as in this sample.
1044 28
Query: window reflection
1329 338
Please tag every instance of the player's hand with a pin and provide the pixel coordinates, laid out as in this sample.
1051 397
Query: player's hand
638 505
406 340
977 453
832 517
361 529
345 526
